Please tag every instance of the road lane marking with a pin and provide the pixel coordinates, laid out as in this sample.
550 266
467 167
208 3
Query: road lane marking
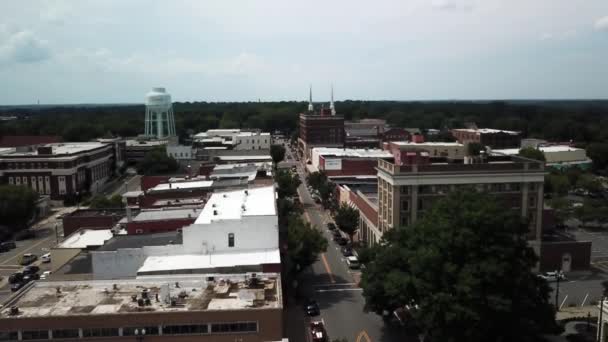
585 299
563 302
327 268
363 334
26 250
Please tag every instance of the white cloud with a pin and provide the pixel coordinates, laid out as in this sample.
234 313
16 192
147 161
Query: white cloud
602 24
22 47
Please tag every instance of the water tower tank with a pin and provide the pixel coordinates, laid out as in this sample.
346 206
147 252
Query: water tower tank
159 122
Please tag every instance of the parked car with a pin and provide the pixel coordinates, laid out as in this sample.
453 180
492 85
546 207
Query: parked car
30 277
27 259
553 276
7 246
336 235
312 308
318 332
46 258
342 241
353 262
331 226
31 270
347 251
15 278
45 275
17 286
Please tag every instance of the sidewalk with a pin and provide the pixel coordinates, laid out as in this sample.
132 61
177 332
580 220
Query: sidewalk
578 311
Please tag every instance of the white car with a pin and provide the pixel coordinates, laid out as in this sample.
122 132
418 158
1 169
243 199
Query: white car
353 262
45 275
46 258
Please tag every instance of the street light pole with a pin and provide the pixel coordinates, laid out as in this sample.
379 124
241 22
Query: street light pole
558 276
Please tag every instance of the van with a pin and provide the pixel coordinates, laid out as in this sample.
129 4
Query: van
353 262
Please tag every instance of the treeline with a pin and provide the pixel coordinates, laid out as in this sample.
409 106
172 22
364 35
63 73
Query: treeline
581 121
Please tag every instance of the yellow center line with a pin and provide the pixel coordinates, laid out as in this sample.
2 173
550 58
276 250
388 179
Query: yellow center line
26 250
363 334
327 268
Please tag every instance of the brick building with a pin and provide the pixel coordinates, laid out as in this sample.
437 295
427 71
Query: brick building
59 170
495 138
320 130
92 219
160 220
225 308
346 162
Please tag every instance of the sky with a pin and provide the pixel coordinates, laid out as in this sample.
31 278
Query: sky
114 51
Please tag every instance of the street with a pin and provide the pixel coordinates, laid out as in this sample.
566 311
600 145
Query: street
334 286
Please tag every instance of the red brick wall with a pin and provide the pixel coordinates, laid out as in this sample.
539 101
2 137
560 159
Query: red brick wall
551 255
367 210
158 226
271 268
73 223
352 167
147 182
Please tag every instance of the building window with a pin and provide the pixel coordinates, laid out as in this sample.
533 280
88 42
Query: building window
99 332
405 220
532 202
27 335
11 181
130 331
9 336
405 205
190 329
24 180
139 231
61 181
65 333
231 240
405 189
234 327
532 186
17 180
47 185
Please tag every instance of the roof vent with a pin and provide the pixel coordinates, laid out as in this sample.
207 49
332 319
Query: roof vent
14 310
58 289
246 192
115 287
243 207
225 195
215 212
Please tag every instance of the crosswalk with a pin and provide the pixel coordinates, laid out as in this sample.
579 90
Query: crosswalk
601 265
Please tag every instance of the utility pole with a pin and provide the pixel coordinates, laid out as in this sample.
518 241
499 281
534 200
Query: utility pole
56 233
558 276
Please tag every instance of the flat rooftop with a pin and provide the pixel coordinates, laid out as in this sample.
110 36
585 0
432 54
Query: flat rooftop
182 185
164 214
233 205
141 240
144 143
60 149
184 262
84 238
486 131
179 201
352 153
95 297
245 157
430 143
97 212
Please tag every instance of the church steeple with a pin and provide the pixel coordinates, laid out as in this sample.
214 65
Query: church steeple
311 108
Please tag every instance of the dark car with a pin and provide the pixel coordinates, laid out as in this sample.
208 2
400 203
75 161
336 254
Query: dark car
317 331
16 277
30 277
312 308
7 246
331 226
337 236
31 270
342 241
347 251
17 286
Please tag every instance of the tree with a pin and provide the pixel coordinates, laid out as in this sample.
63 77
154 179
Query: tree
466 270
316 179
598 152
474 149
304 244
557 183
589 183
17 206
287 183
347 220
103 202
532 153
277 152
157 162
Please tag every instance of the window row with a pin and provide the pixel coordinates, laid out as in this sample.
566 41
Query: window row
41 184
185 329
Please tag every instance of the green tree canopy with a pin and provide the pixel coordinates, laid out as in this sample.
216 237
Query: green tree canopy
532 153
157 162
557 183
316 179
103 202
17 206
287 183
598 152
466 269
347 220
474 149
589 182
277 152
304 244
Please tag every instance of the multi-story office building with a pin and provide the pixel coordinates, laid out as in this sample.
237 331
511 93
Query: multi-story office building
233 139
59 170
320 130
408 188
243 307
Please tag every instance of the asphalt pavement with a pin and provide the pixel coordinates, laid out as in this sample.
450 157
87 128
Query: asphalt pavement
335 287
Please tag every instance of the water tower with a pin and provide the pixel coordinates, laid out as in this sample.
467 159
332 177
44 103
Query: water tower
159 114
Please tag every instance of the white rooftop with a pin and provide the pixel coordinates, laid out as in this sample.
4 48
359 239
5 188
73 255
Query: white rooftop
63 148
233 205
486 130
146 142
209 261
245 157
136 193
86 238
544 149
430 143
350 152
165 214
182 185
